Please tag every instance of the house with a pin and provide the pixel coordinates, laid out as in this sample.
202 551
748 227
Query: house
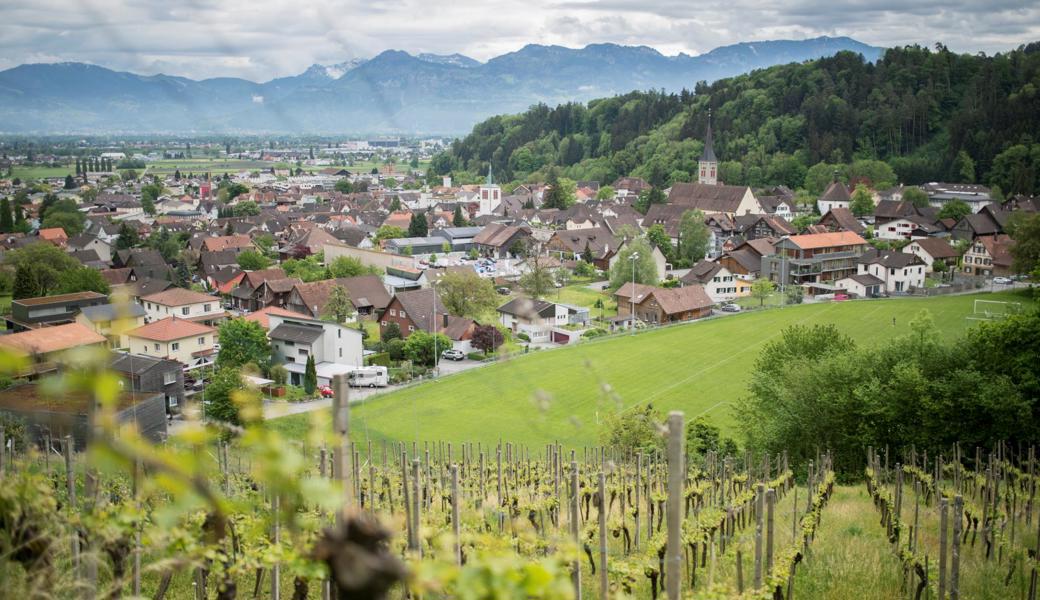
47 346
68 413
598 242
309 242
753 227
366 293
85 241
187 342
112 320
336 348
862 285
235 243
422 310
837 195
30 313
931 249
840 219
730 200
745 260
405 279
54 235
500 241
658 305
263 315
983 223
535 318
624 186
718 282
899 271
815 260
245 295
988 256
184 304
149 374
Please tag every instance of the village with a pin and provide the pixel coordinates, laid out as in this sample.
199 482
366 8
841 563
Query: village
385 278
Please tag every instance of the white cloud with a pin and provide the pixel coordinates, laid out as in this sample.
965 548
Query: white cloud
263 39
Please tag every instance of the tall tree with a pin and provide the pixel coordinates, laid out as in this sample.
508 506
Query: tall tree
466 294
418 227
642 268
310 376
25 284
694 237
338 306
862 203
243 342
6 218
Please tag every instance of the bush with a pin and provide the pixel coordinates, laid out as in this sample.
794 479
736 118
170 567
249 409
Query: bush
523 337
395 348
477 356
279 374
594 333
381 358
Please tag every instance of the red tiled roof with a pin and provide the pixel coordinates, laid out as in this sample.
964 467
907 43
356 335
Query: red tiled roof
827 240
261 316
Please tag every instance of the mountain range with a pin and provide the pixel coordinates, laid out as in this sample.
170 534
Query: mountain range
391 93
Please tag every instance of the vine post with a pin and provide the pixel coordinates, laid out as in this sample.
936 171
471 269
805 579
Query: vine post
770 504
341 428
943 510
638 485
575 525
604 584
760 498
676 470
455 513
955 555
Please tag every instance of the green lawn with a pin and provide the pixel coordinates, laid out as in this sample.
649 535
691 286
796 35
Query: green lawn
579 294
563 394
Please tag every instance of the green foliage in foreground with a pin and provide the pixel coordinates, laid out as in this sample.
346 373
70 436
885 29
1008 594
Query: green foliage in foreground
566 394
814 387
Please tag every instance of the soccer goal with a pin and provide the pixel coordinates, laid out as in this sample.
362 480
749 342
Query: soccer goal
993 310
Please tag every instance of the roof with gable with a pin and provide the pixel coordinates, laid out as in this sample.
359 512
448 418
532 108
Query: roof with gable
261 316
671 300
226 242
890 259
178 297
708 198
702 272
423 307
170 329
844 219
936 247
837 191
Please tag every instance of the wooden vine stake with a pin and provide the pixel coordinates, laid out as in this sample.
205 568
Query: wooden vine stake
455 513
955 555
341 428
604 584
770 503
676 472
575 523
760 497
943 509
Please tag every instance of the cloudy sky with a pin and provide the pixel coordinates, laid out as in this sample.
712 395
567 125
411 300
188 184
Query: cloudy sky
263 39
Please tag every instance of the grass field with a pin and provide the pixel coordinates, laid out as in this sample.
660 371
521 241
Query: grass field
563 394
27 173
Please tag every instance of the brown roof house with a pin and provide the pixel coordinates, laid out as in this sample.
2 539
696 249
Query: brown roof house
500 241
172 338
663 305
422 310
730 200
48 346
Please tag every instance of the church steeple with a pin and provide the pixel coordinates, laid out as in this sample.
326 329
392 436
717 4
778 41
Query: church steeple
490 178
708 165
490 195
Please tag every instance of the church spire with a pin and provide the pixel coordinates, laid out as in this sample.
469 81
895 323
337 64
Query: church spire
490 177
709 150
708 165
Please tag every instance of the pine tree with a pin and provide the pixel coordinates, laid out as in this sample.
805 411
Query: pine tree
418 226
457 219
310 376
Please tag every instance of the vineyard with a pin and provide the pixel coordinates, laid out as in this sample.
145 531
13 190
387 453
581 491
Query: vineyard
239 512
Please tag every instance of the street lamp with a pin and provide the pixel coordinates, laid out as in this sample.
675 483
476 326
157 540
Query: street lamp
632 299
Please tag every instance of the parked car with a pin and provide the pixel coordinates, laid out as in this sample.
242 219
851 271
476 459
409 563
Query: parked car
453 354
840 297
503 290
1002 280
325 391
730 308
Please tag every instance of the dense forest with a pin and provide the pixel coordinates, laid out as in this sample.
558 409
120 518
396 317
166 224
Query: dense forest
929 114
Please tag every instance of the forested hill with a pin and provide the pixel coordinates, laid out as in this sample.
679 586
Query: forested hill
930 114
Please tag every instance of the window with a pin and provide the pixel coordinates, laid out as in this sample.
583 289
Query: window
205 307
169 377
411 328
339 333
202 341
175 346
156 347
403 315
184 311
341 352
288 343
383 323
393 313
172 401
302 352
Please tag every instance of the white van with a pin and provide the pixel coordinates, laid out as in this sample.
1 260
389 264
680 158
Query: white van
375 376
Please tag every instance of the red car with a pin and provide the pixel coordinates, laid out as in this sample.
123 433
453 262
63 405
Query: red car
840 297
325 391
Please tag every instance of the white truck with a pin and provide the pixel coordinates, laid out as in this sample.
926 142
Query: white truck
374 376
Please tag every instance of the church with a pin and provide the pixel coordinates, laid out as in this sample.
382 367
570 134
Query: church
490 195
708 195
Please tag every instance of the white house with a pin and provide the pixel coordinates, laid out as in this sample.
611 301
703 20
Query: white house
536 318
718 282
336 348
899 271
932 249
173 338
863 286
184 304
